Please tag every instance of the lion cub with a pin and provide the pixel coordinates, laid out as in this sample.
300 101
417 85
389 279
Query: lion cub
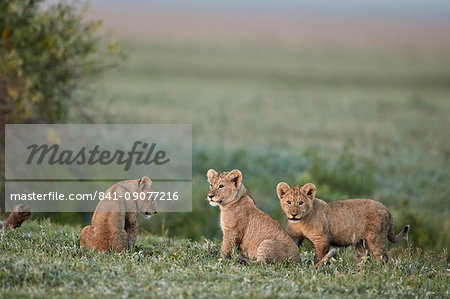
114 223
19 214
363 223
257 235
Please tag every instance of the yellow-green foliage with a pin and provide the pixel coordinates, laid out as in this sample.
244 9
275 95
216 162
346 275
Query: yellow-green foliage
46 55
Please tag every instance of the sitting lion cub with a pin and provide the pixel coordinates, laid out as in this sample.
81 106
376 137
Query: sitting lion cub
114 223
363 223
258 236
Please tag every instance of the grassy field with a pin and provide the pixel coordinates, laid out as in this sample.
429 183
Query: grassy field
355 115
357 123
42 260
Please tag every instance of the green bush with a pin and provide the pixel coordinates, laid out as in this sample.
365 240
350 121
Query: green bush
47 55
345 176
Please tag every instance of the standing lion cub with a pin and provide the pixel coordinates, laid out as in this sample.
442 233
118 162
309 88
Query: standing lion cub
114 223
363 223
257 235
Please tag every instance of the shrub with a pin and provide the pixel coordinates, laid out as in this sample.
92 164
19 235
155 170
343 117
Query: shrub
345 176
48 54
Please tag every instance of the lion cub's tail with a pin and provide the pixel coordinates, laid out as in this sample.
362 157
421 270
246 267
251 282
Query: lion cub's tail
397 238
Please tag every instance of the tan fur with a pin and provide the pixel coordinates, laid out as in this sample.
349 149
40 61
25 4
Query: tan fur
258 236
19 214
363 223
114 223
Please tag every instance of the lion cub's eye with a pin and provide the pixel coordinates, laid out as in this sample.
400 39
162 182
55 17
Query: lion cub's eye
288 202
221 186
300 203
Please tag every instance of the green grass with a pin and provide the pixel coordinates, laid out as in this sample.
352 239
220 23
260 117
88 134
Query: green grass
42 259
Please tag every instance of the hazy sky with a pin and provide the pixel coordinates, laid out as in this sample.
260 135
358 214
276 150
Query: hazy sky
425 10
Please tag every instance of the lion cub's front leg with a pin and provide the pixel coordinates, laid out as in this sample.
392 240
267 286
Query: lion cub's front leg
118 236
326 257
230 238
131 227
321 246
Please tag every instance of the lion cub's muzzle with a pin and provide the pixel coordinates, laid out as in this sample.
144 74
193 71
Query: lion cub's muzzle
212 201
295 218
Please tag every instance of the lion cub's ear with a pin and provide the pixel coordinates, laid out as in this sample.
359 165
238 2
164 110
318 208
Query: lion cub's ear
236 177
310 190
211 174
282 188
144 182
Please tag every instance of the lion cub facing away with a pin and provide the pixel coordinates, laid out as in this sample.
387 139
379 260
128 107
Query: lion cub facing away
363 223
114 223
258 236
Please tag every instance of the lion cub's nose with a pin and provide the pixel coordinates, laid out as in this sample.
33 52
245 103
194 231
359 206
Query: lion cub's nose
294 214
210 195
